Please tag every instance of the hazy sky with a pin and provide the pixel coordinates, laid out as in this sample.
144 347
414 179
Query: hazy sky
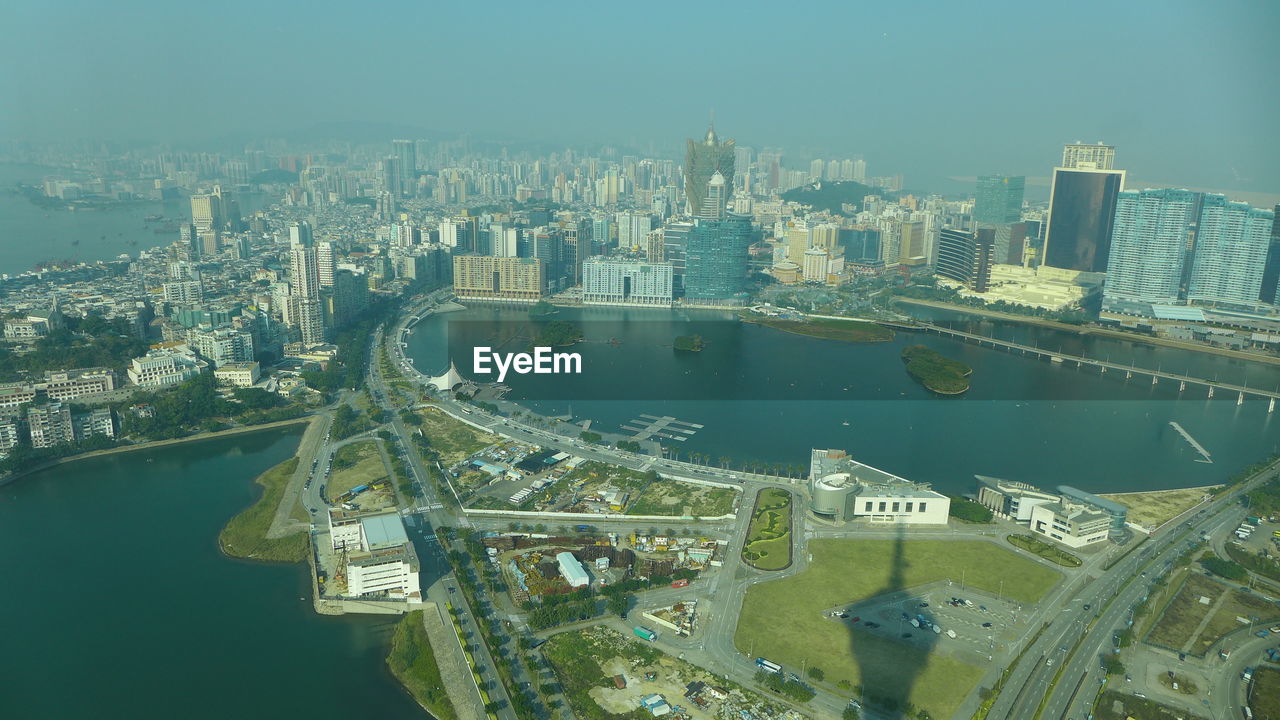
1187 91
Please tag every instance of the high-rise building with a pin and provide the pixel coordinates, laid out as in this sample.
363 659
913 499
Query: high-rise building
304 286
1270 290
998 199
716 255
911 247
350 296
392 176
966 257
702 160
498 278
632 228
325 263
1088 157
1082 205
1232 240
407 153
50 425
1148 249
616 281
206 212
300 234
713 203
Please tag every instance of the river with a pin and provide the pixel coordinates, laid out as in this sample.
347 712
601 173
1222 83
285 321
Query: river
118 603
30 234
766 396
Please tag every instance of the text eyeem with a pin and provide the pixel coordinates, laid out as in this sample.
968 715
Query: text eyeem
540 362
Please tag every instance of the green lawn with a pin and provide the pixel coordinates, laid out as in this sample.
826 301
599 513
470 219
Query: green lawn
414 665
828 329
783 619
1265 700
353 465
245 535
768 545
1048 551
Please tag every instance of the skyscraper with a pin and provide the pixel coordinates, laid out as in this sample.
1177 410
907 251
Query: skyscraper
1088 157
1232 240
702 160
717 196
1148 249
304 287
407 153
392 176
1082 204
716 259
966 257
998 199
324 263
1270 290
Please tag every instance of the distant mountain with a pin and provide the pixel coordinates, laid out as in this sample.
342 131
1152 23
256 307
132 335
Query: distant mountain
831 195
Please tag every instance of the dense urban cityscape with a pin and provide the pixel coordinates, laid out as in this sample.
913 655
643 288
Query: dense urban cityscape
496 426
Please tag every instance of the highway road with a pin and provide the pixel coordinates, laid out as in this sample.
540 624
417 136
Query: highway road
1124 586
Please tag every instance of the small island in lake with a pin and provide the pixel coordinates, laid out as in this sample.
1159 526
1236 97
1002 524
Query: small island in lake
542 308
557 333
688 343
851 330
935 371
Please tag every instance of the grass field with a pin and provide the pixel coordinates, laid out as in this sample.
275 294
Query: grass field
1265 700
245 535
1179 624
1048 551
827 329
453 439
846 571
1153 509
414 665
354 465
1116 706
669 497
768 545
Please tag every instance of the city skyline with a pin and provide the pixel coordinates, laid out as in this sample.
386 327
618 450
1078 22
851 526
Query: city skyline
1220 140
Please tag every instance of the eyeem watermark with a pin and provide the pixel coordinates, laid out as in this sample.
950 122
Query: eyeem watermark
539 362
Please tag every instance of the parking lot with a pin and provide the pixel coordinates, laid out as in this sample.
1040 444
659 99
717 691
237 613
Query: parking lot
982 623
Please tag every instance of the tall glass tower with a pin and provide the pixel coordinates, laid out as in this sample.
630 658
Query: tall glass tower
716 259
1148 249
702 160
999 199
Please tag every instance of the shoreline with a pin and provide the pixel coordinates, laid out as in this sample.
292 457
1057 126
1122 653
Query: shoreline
198 437
1092 330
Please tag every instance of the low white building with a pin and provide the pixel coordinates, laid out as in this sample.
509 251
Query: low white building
845 489
1071 524
238 374
164 367
380 560
572 570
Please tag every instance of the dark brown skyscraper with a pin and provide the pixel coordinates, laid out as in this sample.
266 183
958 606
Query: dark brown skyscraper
702 160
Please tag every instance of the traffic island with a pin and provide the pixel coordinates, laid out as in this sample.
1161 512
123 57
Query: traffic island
768 545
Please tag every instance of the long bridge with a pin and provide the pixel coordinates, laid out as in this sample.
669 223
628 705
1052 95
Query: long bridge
1103 365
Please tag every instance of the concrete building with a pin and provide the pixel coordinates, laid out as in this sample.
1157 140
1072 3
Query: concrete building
14 395
617 281
99 421
1118 513
1232 241
1089 157
380 560
239 374
1149 244
572 570
498 278
71 384
1010 499
50 425
1072 524
222 345
844 489
164 367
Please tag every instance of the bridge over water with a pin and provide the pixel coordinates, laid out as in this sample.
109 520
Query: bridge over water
1104 366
